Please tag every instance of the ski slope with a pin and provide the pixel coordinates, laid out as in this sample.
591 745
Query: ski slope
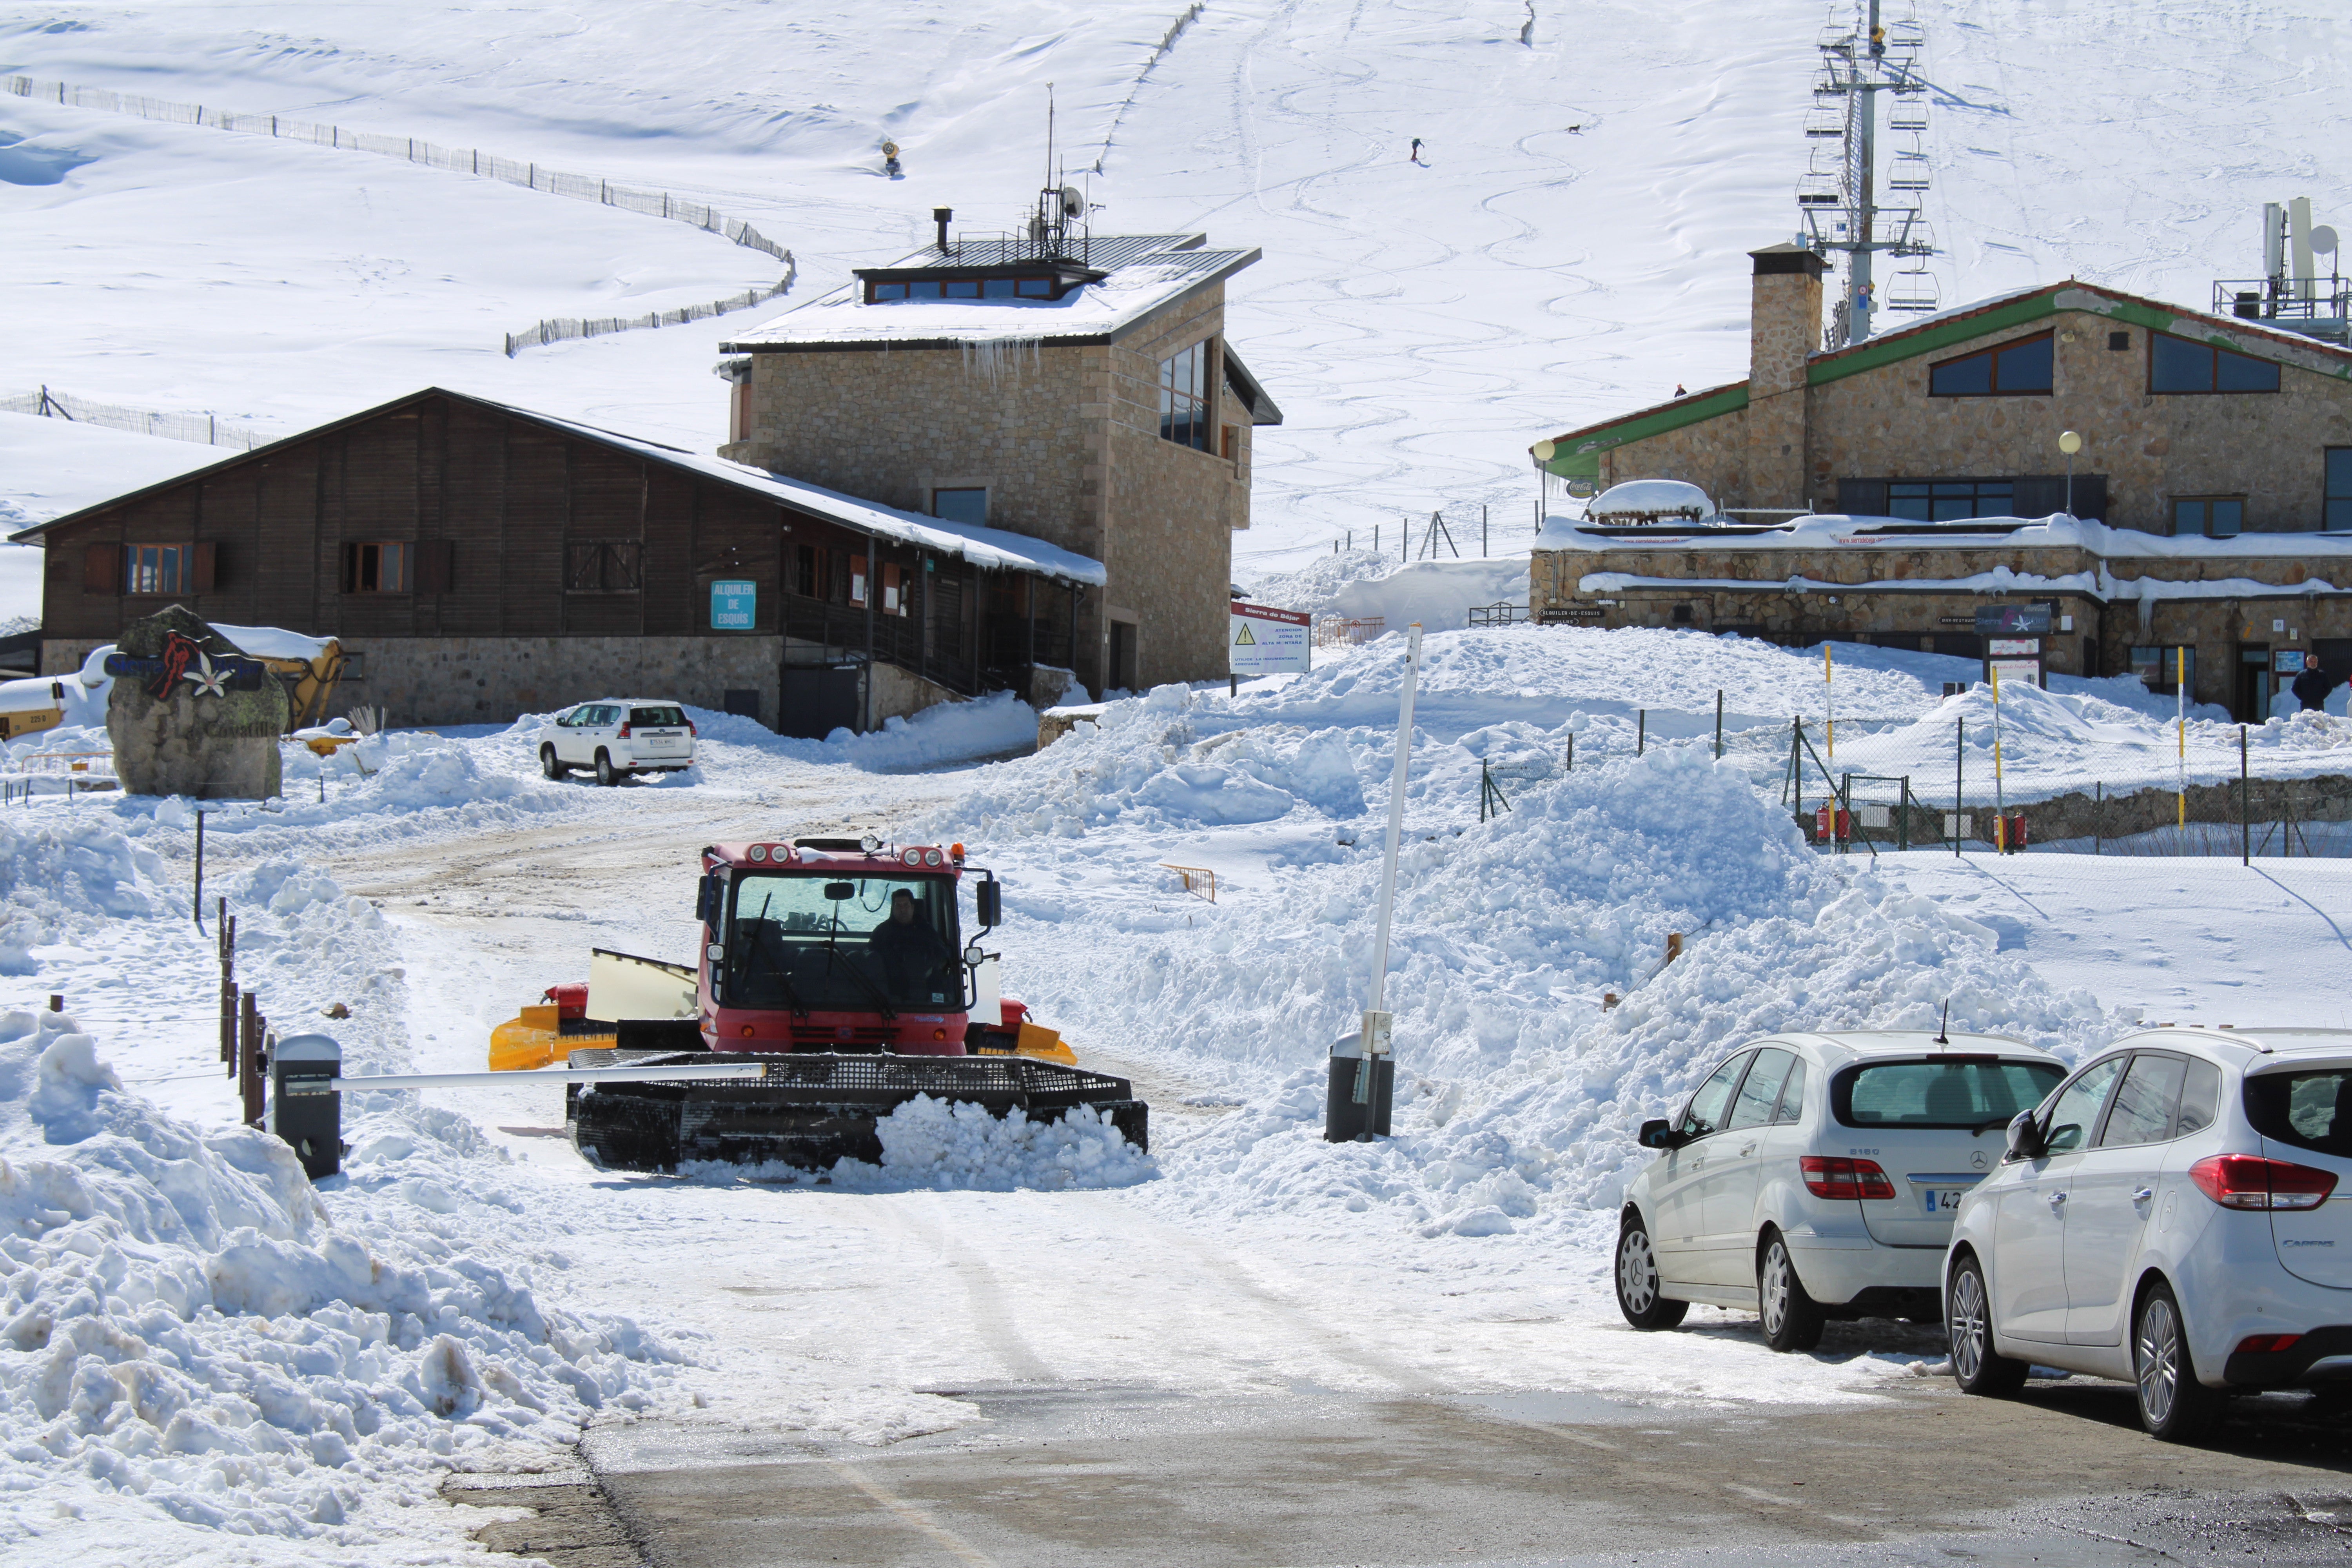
1573 245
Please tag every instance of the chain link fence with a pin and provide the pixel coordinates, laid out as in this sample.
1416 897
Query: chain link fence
203 428
464 161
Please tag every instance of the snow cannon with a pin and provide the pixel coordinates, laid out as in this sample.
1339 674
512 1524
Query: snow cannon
838 963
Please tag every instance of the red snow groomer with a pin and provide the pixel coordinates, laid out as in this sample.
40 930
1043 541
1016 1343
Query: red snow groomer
840 964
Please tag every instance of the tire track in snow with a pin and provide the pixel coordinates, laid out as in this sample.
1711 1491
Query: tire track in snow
990 1318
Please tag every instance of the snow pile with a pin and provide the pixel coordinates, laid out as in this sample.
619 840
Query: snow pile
945 733
1440 594
62 875
1648 499
1313 586
1519 1092
185 1330
933 1145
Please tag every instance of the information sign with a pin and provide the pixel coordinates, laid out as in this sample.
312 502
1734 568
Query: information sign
734 605
2014 620
1267 641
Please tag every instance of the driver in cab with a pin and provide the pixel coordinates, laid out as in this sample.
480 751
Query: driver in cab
910 951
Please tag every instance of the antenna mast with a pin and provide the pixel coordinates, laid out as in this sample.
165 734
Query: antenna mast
1841 197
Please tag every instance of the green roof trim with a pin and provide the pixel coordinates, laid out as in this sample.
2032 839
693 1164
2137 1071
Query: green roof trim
1893 349
1581 459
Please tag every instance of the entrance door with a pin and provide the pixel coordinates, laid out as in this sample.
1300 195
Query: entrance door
1122 656
2256 686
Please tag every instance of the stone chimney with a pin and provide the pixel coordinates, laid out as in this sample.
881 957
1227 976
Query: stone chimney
1784 328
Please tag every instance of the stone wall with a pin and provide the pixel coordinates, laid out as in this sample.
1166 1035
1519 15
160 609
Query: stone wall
485 680
1066 442
2269 448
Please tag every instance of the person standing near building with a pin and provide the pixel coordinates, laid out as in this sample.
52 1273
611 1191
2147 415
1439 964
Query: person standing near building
2311 688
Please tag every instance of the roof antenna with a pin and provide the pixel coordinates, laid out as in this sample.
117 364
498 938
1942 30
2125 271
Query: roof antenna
1944 1029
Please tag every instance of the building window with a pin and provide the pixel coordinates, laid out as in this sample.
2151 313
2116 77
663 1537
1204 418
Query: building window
1030 288
2160 669
2338 516
603 566
876 293
2021 369
2215 517
1184 396
1948 500
2175 364
376 568
961 505
152 568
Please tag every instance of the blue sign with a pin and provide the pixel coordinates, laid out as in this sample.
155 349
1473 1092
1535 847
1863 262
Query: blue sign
734 606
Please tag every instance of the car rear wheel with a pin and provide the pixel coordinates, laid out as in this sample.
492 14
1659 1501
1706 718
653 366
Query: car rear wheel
2173 1405
1977 1367
1637 1281
1792 1319
549 763
607 774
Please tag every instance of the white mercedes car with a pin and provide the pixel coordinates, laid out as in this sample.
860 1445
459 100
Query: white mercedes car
2174 1216
616 738
1813 1176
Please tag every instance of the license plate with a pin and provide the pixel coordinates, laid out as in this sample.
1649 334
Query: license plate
1941 1201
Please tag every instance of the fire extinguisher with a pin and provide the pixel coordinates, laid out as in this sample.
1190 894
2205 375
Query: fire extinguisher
2017 832
1822 823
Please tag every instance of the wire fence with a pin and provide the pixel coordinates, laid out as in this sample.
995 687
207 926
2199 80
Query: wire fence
463 161
206 429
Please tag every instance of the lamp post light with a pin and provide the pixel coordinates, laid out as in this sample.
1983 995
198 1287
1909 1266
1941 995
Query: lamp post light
2069 443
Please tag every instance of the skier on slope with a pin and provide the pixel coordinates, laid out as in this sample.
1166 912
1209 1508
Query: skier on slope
1416 153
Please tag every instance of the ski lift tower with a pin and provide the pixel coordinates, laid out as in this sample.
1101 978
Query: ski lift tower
1848 205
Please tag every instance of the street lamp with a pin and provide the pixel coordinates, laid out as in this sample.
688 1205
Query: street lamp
2069 443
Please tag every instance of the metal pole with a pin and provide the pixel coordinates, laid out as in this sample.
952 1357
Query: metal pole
1396 826
2180 707
2000 804
1641 731
1959 782
196 900
2099 817
2245 816
1718 724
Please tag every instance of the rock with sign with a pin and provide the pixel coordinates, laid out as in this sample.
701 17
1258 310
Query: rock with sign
191 713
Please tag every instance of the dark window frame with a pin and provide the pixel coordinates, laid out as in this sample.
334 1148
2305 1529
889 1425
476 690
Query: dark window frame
2214 354
2169 684
1976 497
604 566
2335 503
2205 516
181 559
359 567
1184 379
1993 355
979 490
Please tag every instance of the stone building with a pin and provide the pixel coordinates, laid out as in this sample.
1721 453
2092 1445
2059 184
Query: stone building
1077 391
1885 492
477 560
2191 423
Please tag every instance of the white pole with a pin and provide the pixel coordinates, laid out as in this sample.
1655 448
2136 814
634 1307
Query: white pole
1396 831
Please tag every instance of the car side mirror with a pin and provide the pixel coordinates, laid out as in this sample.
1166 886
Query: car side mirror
988 901
706 902
2025 1141
1659 1133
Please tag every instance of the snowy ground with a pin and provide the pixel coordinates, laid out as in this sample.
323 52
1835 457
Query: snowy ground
1573 245
177 1388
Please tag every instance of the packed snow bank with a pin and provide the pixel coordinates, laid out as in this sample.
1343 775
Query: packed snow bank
931 1145
1518 1093
944 733
189 1333
1313 586
1440 594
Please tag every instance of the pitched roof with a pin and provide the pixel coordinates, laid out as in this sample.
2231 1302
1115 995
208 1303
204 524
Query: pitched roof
995 548
1140 274
1948 328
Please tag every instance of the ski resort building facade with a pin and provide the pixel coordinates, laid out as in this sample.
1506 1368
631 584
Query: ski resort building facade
478 560
1876 493
1077 391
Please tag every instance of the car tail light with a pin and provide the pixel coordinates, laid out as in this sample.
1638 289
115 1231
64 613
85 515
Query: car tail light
2251 1182
690 730
625 732
1834 1176
938 1033
2267 1344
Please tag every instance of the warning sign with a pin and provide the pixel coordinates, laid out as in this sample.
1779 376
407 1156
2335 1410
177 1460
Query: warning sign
1267 641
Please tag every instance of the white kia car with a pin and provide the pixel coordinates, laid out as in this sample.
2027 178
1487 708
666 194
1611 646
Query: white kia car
2170 1216
616 738
1813 1176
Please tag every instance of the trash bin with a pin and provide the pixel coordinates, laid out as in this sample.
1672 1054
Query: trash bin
303 1110
1356 1104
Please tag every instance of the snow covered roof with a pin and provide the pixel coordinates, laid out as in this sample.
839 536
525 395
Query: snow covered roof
1139 274
997 549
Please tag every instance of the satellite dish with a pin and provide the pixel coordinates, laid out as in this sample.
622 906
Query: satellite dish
2323 240
1074 202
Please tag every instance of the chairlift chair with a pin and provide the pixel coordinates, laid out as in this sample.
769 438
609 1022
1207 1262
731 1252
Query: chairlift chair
1912 291
1908 35
1819 190
1907 172
1825 122
1908 115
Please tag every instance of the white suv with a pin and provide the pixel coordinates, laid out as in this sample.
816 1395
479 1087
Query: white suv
1813 1176
2171 1216
617 737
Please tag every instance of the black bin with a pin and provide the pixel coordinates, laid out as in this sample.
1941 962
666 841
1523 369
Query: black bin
1347 1119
